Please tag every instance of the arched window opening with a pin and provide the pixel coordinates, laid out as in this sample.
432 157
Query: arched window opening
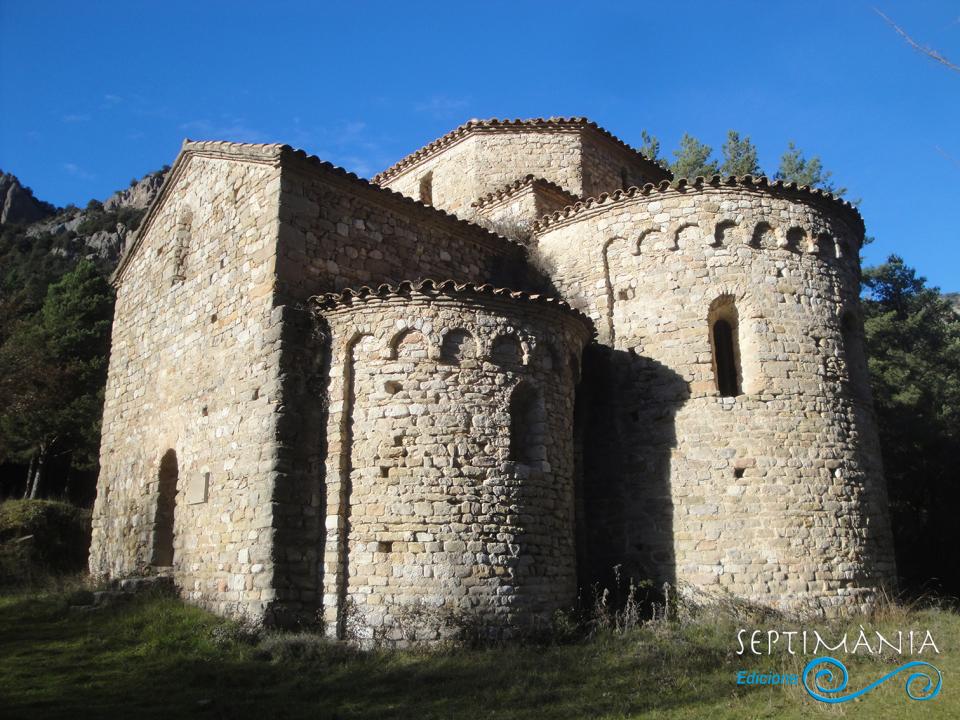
763 236
725 343
725 360
408 344
426 189
458 345
506 350
826 248
528 426
163 532
724 232
796 239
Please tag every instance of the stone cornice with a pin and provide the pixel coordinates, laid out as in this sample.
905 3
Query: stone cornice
553 124
446 288
683 186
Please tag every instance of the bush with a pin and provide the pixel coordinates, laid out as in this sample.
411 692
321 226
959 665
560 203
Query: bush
41 536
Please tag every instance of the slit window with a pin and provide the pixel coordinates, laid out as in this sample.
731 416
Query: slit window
725 344
426 189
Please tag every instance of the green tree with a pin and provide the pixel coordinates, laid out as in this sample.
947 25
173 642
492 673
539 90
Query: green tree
693 159
913 340
650 146
52 375
794 167
739 156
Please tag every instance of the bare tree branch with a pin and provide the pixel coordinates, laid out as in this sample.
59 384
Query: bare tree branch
947 155
929 52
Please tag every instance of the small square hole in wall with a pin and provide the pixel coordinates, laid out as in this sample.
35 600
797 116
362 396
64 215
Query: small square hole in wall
392 387
213 318
385 546
256 394
738 473
223 262
204 411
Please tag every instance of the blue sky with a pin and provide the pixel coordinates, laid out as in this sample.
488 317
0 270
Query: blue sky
95 93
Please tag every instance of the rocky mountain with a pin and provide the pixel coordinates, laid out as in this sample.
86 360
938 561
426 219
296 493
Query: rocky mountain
17 203
140 193
99 231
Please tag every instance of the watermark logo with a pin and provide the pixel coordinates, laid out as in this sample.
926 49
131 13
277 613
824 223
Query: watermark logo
823 685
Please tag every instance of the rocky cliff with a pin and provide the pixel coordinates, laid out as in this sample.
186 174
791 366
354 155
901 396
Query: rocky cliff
17 203
100 231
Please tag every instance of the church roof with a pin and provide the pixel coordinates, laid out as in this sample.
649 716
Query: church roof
275 154
685 185
450 288
507 125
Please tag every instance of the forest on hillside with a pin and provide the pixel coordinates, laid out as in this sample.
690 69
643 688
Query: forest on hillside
56 310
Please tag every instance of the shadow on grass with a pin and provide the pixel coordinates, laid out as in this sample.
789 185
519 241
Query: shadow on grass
155 658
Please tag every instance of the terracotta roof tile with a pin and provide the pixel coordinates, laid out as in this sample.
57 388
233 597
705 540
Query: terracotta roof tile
517 185
348 296
274 154
699 183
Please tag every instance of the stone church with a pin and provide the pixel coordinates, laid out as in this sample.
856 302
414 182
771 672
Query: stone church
518 362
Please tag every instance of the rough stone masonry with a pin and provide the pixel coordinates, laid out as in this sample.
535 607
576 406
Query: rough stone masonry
522 360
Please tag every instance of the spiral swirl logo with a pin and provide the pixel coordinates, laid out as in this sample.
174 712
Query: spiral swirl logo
825 679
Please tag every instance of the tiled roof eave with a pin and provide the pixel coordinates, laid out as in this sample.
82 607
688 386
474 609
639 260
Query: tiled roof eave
495 124
448 288
683 185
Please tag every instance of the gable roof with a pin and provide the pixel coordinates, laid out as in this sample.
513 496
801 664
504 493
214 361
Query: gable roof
275 155
506 125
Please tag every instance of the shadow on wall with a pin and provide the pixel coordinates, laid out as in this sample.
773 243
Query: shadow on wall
625 433
299 495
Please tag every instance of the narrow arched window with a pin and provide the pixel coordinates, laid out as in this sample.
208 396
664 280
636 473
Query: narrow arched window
528 425
426 189
724 341
725 359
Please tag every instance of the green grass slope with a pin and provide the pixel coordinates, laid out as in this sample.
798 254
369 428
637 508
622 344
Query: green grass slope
157 658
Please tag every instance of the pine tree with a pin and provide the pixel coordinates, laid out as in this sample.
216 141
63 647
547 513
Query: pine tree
913 340
650 146
693 159
52 375
794 167
739 156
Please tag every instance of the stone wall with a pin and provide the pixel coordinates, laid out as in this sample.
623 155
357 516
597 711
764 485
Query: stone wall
485 156
439 512
776 493
193 389
338 231
512 210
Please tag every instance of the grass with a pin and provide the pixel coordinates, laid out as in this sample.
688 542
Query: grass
155 657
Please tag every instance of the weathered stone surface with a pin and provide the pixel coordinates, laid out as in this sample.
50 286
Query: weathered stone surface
391 459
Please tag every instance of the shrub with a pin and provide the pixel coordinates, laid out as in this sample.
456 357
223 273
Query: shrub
39 536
